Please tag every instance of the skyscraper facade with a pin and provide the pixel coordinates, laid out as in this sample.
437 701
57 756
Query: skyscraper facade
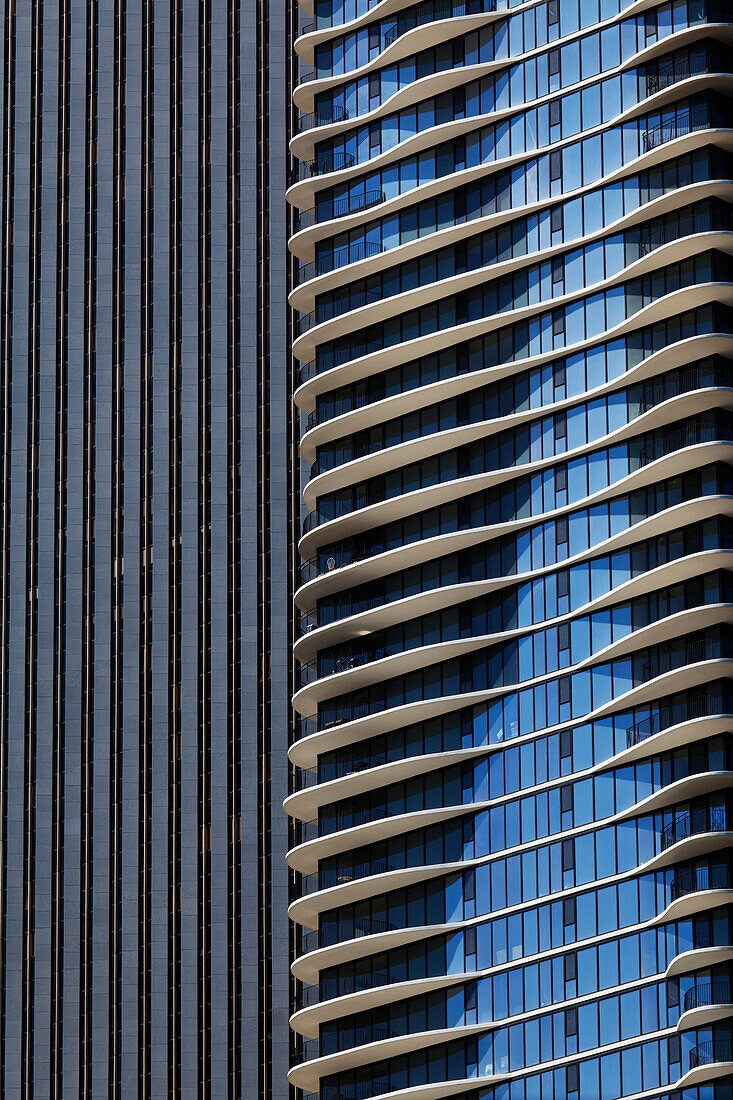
143 532
513 757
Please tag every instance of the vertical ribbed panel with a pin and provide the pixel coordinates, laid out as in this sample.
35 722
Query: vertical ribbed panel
139 706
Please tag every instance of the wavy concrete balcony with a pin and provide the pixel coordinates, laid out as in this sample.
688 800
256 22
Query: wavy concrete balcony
385 753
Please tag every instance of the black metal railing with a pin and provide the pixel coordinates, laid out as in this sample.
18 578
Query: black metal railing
354 300
349 254
322 116
308 830
358 1090
326 772
347 351
305 725
345 608
336 822
349 765
310 522
307 570
329 877
717 992
359 400
356 929
348 658
304 372
339 208
341 508
693 880
700 705
349 552
305 778
362 1034
306 1050
684 381
704 819
689 435
694 650
345 985
306 996
334 162
706 221
428 13
327 460
714 1050
306 674
676 128
307 621
699 63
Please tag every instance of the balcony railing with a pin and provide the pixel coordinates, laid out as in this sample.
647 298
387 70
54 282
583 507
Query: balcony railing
329 824
334 162
696 706
344 609
349 254
354 300
307 621
677 128
306 996
305 778
717 992
689 436
327 771
304 372
359 401
343 508
685 381
359 1090
323 116
327 878
305 725
693 880
703 820
351 349
339 208
349 658
344 930
308 1049
708 221
429 13
306 674
314 670
659 446
695 651
308 830
715 1050
698 63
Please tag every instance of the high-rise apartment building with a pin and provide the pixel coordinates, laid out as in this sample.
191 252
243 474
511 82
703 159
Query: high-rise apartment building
143 532
514 753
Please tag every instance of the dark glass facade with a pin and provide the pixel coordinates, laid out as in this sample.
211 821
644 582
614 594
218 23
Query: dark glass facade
513 754
144 684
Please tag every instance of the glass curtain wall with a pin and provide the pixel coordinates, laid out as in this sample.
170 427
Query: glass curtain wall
513 759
